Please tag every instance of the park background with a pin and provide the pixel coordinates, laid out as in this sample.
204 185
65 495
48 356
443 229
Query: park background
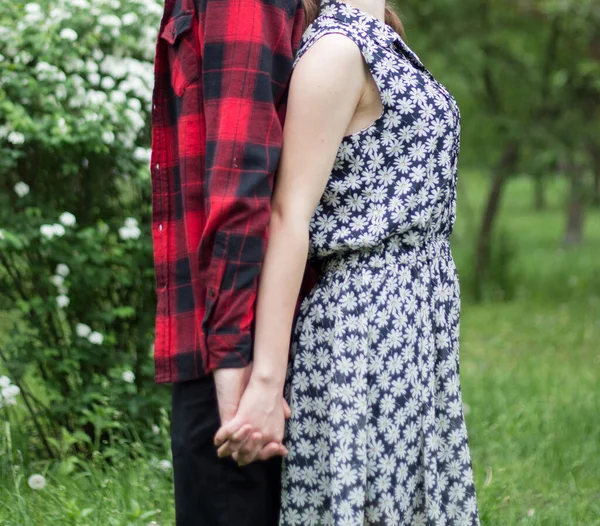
84 429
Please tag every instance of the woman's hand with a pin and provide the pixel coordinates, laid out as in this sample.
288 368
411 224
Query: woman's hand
256 431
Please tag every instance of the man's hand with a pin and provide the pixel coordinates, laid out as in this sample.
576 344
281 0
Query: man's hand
256 432
230 385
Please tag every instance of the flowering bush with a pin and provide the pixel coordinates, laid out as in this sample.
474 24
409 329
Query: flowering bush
75 249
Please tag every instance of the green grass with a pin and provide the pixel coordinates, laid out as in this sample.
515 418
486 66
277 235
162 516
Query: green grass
530 378
129 492
530 370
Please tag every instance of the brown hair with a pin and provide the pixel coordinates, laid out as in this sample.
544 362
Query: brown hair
311 10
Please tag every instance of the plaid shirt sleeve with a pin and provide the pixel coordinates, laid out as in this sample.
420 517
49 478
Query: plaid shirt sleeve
246 62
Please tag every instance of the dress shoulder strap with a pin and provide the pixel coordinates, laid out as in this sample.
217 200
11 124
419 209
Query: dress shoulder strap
370 49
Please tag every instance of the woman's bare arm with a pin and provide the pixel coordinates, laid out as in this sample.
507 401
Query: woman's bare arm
325 89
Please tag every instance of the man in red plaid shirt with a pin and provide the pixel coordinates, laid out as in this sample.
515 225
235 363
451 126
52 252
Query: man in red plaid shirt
221 76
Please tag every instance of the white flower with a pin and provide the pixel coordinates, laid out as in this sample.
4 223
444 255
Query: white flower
83 330
67 219
4 381
32 8
91 66
118 97
21 189
59 14
68 34
132 232
165 465
131 222
58 281
59 230
135 104
37 481
129 18
108 137
142 154
33 17
96 338
96 98
155 429
128 377
63 270
94 77
107 83
62 301
10 391
62 123
8 395
47 231
15 137
109 21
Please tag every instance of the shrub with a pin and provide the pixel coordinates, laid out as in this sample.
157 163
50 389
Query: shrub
75 248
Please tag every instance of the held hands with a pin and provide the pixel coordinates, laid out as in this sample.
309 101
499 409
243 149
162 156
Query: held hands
256 430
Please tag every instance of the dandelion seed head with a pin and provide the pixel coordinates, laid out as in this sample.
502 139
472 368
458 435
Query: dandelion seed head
37 481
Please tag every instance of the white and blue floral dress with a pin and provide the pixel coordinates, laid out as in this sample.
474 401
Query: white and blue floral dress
377 434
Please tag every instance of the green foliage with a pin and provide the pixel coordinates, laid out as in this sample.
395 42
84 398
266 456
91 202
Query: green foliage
75 247
525 71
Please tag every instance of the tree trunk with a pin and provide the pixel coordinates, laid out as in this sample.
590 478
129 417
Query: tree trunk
539 193
575 209
506 165
595 154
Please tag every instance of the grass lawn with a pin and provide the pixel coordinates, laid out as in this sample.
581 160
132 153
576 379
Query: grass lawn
530 371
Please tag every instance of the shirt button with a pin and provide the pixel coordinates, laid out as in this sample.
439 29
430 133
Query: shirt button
157 166
211 293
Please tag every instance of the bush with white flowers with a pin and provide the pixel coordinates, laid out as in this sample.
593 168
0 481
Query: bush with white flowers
76 79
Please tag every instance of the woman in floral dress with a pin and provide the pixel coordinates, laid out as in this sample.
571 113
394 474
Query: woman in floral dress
366 187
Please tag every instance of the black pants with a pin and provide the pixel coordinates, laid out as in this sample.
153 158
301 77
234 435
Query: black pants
210 491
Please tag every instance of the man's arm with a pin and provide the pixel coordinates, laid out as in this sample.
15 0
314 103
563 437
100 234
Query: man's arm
246 62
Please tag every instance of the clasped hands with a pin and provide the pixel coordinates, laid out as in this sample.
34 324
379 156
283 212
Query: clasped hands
253 413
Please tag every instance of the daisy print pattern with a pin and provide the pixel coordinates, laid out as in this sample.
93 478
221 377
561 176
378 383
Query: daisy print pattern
377 434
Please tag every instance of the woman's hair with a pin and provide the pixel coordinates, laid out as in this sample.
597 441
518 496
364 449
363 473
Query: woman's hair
311 10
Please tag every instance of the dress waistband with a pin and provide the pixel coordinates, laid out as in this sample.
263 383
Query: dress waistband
395 250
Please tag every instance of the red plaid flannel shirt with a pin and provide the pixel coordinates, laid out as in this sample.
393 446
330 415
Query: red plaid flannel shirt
221 75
